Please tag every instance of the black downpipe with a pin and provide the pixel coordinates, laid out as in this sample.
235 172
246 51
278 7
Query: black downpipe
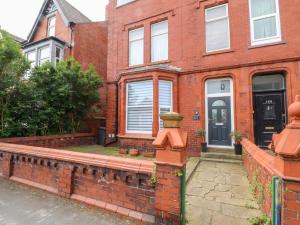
117 117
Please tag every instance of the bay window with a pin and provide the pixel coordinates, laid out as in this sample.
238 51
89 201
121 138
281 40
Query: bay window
217 28
159 41
139 106
44 55
136 47
165 98
31 57
265 21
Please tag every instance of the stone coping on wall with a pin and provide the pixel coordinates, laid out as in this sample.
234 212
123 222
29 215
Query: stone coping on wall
265 159
137 166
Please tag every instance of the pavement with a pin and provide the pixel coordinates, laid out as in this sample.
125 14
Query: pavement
22 205
219 194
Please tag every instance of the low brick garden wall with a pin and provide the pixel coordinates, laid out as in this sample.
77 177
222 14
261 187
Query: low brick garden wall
54 141
257 163
116 184
261 167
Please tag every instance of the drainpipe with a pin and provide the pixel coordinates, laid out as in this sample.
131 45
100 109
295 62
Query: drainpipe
117 117
71 24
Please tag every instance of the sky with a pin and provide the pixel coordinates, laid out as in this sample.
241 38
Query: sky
18 16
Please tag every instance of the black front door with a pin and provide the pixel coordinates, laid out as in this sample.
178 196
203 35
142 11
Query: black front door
269 116
219 121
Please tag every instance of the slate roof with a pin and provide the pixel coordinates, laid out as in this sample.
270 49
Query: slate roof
71 13
16 38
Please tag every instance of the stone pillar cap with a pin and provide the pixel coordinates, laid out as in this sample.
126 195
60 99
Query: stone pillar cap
287 143
294 109
171 119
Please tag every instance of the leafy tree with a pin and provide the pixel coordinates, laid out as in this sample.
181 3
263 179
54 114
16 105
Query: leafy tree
12 67
55 99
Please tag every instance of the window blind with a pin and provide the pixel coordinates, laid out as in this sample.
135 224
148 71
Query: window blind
136 47
140 106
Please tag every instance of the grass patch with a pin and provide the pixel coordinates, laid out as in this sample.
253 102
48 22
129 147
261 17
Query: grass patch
100 150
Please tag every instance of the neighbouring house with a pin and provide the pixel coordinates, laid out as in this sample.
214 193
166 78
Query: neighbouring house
224 65
61 31
16 38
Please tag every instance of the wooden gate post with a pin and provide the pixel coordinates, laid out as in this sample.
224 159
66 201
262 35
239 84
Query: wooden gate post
170 163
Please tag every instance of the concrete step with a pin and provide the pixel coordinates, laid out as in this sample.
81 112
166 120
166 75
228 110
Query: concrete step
221 160
217 155
221 150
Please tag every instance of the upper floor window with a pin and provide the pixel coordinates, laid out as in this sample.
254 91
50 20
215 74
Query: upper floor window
159 41
265 21
136 47
217 28
44 55
51 26
123 2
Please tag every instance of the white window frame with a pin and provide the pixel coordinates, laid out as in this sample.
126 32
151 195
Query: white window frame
60 58
31 62
51 27
123 2
134 131
39 54
267 40
132 41
229 94
166 106
216 19
152 36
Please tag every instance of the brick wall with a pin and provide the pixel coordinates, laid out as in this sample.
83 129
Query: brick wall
187 52
54 141
116 184
260 173
291 208
262 166
90 48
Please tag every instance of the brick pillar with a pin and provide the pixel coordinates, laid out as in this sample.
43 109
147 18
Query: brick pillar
7 165
170 163
287 164
65 181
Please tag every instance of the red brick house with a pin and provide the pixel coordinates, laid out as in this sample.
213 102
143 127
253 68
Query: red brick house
224 65
61 31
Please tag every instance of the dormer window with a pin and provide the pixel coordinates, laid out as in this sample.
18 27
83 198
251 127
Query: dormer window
51 26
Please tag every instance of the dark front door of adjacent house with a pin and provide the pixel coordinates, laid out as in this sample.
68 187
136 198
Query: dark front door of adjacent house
219 121
269 116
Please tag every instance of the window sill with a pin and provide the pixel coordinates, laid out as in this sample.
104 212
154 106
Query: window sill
137 136
135 66
217 52
160 62
267 45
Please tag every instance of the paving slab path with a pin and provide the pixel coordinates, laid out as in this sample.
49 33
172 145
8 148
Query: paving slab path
22 205
219 194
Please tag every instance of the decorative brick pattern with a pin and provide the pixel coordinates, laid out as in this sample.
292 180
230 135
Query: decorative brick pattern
115 184
54 141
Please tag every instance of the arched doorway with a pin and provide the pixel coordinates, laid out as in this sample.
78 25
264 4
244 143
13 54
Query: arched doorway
269 107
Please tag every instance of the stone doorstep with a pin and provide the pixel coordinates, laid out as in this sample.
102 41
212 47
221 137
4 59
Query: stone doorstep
240 162
216 155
